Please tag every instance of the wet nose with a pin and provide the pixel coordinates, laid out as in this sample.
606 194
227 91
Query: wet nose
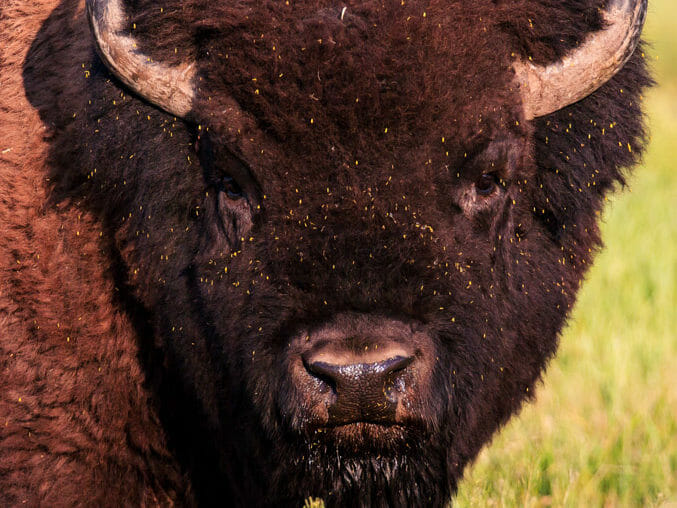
361 392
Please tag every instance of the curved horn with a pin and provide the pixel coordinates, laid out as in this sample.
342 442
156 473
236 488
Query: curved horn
593 63
170 88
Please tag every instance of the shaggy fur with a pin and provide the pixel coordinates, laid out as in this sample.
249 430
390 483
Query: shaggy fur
149 324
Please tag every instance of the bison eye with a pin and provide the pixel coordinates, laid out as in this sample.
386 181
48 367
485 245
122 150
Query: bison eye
231 188
485 184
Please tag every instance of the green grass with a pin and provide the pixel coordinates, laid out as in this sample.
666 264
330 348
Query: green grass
603 431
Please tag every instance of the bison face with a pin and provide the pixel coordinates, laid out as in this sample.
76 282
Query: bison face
379 329
355 255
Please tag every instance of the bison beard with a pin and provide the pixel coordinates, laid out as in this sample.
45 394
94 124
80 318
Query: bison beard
254 252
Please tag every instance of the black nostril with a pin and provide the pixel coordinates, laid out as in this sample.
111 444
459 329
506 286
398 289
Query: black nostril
322 371
349 376
364 391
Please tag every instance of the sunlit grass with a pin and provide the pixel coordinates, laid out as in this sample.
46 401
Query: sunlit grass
603 431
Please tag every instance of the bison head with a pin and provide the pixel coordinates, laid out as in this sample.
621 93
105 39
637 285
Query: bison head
357 241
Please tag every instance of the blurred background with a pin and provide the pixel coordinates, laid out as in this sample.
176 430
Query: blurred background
603 431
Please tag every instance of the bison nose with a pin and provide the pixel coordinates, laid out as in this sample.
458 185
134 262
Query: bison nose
361 392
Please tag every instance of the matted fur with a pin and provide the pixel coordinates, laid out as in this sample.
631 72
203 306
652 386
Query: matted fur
136 369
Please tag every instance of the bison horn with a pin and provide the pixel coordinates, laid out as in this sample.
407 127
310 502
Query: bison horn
552 87
170 88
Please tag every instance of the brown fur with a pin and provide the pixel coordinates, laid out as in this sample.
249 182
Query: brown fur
74 413
125 379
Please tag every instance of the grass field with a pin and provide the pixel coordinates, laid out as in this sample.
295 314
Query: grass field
603 431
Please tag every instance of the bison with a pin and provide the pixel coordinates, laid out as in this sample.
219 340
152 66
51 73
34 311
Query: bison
255 251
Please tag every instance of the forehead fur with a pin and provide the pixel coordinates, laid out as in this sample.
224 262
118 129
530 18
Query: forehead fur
403 68
371 67
276 57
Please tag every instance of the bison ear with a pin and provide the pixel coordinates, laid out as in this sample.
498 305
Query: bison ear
546 89
171 88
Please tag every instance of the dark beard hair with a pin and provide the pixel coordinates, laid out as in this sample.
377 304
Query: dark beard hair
411 472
